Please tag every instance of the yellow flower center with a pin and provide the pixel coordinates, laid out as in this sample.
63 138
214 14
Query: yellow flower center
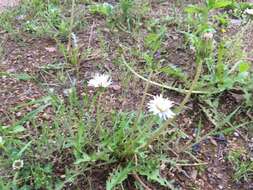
161 107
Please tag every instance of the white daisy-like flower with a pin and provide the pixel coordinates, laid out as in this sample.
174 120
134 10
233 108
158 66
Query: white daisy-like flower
162 107
17 164
249 11
100 80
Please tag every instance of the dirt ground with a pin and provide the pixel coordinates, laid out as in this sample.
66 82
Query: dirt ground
8 3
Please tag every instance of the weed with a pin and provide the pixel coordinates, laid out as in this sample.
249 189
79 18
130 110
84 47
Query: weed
243 168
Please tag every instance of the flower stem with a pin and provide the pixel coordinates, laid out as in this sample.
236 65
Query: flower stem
142 102
98 113
131 143
72 17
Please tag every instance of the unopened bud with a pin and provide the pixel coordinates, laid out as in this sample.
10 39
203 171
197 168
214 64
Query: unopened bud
207 36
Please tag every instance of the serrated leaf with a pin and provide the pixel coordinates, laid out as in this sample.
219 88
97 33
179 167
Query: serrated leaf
85 158
174 72
154 175
118 177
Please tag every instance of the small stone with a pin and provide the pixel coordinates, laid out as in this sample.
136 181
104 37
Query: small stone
63 176
18 114
194 174
51 90
50 49
67 92
46 116
208 36
163 167
236 22
220 176
236 134
115 87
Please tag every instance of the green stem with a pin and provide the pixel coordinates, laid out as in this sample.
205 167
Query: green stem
71 24
134 129
98 113
142 102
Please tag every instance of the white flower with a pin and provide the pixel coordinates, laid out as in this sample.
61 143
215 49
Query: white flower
17 164
162 107
249 11
100 80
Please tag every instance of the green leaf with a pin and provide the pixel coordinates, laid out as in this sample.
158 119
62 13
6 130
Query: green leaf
244 67
102 9
154 40
20 76
221 4
31 115
23 149
118 177
13 129
23 77
193 9
174 72
85 158
154 175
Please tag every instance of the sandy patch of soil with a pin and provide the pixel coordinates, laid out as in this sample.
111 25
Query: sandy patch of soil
8 3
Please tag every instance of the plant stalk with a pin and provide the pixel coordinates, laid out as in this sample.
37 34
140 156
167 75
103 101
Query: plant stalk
71 24
142 101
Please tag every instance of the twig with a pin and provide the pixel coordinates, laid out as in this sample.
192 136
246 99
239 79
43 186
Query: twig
193 164
91 35
140 181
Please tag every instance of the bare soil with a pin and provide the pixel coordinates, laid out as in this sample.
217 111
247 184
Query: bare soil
8 3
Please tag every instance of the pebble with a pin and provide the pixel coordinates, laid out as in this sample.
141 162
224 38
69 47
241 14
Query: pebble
236 22
236 134
18 114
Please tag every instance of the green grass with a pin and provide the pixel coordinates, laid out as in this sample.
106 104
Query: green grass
78 134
